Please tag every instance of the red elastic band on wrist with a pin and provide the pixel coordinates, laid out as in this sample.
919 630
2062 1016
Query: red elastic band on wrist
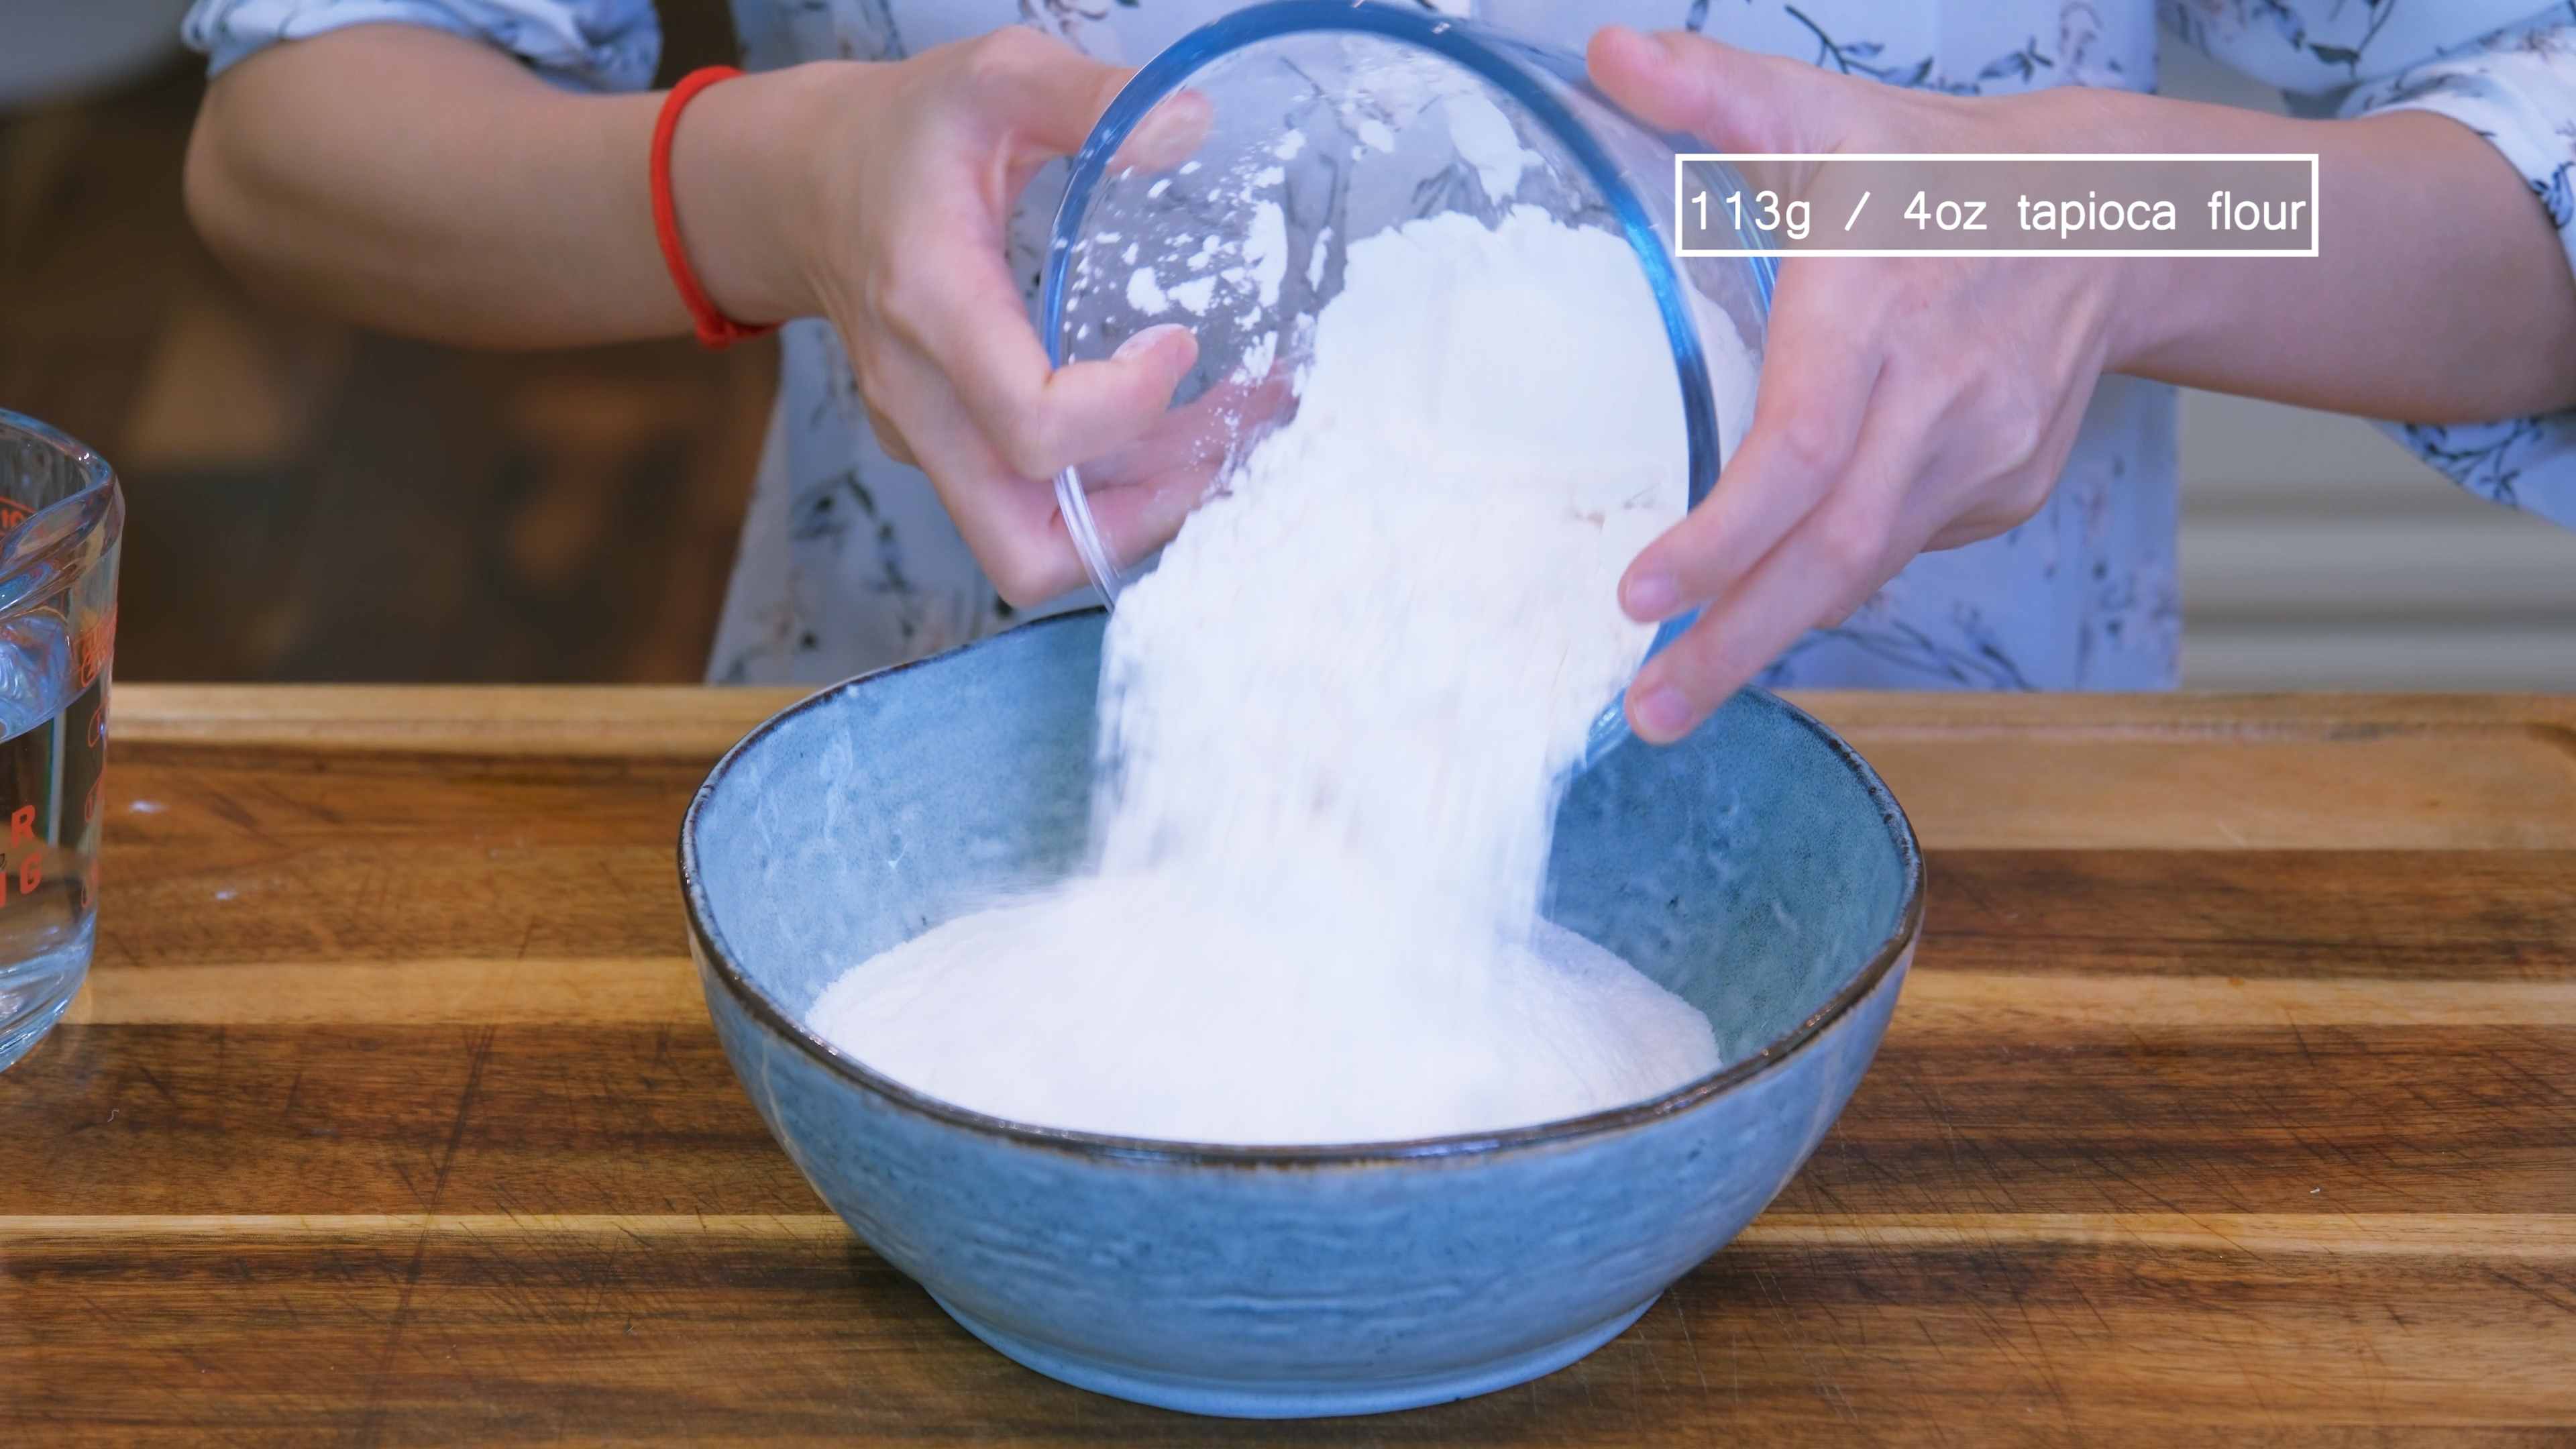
715 329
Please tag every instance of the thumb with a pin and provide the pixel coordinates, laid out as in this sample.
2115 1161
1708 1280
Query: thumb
1051 96
1731 99
1044 92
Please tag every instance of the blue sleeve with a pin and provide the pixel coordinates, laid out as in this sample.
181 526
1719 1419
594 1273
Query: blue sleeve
593 45
2516 88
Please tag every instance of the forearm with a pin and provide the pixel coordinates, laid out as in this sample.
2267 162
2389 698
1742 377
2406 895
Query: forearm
429 185
2440 291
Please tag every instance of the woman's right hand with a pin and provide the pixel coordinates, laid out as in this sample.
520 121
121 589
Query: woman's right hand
877 195
431 185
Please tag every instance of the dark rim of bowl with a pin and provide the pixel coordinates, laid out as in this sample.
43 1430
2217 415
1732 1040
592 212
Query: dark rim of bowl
712 951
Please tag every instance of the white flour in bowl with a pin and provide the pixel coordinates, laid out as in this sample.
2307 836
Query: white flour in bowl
1335 722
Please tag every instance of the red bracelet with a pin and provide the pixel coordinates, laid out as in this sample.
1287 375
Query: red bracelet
715 329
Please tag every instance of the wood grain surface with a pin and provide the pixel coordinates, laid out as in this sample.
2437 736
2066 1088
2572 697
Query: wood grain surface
2233 1098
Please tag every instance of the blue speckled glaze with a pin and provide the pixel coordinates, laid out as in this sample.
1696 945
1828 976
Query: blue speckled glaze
1759 870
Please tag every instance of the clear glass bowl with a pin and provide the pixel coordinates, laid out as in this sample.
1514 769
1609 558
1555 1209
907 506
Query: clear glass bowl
1328 122
61 523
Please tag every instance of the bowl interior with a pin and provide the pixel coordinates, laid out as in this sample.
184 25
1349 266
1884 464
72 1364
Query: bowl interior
1755 870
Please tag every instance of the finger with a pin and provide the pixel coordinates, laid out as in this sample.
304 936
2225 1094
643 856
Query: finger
1141 515
1007 515
962 310
1009 522
1044 93
1006 519
889 436
1817 385
1793 591
1140 493
1734 100
1829 564
1169 134
1211 427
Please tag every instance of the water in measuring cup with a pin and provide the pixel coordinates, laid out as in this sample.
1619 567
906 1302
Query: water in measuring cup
53 705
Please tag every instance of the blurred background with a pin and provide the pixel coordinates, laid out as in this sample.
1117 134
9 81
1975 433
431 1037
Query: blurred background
308 501
312 502
2319 554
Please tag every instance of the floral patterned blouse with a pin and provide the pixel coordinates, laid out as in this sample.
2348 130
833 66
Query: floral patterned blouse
849 564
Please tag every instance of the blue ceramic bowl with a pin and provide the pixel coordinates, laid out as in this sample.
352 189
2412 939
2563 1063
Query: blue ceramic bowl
1759 869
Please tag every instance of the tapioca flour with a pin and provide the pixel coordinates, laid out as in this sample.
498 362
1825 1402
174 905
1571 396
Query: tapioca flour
1335 721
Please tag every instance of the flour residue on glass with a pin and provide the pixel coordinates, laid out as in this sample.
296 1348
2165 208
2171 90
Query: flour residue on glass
1335 725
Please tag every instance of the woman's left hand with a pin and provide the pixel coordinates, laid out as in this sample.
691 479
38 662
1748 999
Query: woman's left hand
1906 403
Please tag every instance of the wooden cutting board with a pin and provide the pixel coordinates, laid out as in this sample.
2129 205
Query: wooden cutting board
2233 1096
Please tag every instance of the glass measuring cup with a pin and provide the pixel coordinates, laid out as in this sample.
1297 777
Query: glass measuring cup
61 521
1329 121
